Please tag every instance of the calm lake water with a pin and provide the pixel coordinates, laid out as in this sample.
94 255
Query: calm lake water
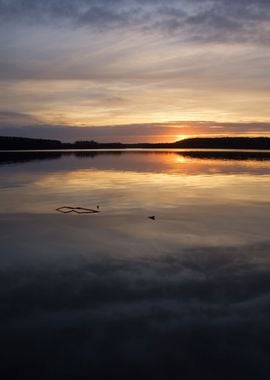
116 294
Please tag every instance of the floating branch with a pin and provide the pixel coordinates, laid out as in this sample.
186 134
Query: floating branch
76 210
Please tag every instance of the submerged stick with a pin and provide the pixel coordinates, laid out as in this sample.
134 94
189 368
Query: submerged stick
76 210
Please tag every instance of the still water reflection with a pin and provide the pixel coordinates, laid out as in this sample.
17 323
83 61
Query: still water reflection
115 293
122 181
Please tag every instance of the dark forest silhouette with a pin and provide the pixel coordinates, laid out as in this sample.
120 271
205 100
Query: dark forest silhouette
22 143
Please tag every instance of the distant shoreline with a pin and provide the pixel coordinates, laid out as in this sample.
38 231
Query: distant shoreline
233 143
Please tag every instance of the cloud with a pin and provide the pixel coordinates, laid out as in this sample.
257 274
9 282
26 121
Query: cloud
28 126
16 119
222 21
206 21
120 62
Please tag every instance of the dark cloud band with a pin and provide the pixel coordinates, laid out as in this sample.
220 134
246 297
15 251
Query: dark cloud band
205 21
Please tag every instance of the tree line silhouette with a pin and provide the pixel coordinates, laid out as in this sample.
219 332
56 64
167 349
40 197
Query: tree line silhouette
23 143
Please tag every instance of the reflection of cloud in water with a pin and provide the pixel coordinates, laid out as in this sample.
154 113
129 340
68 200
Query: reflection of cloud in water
124 180
186 296
41 191
185 311
148 161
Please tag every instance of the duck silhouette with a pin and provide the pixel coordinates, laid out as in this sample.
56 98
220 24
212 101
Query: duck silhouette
152 217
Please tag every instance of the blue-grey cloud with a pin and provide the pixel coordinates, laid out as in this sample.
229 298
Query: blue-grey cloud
16 119
208 21
31 127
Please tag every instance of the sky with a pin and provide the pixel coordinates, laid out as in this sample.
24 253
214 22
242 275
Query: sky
134 70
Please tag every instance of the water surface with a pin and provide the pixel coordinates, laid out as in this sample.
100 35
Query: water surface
186 295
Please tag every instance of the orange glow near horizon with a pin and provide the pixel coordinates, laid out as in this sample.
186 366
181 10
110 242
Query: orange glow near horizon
208 179
70 103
